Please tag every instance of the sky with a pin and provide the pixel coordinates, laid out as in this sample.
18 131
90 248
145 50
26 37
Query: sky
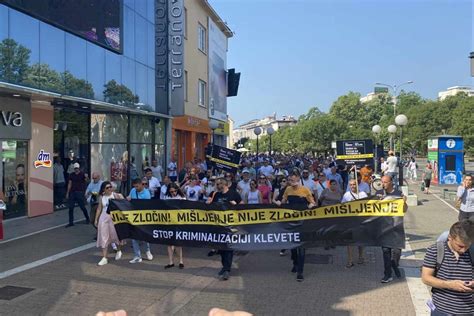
297 54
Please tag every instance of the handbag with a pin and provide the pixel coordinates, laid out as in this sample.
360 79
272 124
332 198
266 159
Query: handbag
457 203
422 186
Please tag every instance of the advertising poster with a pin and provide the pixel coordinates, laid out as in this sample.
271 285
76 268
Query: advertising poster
217 73
433 158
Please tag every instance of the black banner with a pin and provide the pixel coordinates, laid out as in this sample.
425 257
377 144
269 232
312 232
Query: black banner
252 227
224 158
355 152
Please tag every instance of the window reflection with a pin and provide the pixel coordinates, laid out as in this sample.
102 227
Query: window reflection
109 128
140 159
140 129
160 132
151 10
141 82
24 34
150 45
52 58
141 7
129 32
111 160
151 89
140 39
96 69
75 77
129 97
3 22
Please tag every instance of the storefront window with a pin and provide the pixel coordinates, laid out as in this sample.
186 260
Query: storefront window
140 131
13 175
140 159
111 161
109 128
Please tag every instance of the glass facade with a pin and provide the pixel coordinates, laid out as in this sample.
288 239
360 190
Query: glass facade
38 55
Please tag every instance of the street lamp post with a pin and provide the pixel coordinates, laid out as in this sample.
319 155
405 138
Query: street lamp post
270 132
213 124
376 129
392 129
401 120
257 131
395 92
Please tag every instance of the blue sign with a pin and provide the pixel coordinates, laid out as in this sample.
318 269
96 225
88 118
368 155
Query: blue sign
451 159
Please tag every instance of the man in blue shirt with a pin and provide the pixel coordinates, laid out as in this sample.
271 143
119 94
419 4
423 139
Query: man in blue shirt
139 192
336 176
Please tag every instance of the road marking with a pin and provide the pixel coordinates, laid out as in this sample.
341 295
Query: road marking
49 259
39 231
450 206
418 290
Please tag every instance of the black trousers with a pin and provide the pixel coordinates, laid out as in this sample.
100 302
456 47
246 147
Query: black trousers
465 215
298 255
77 197
226 258
391 259
59 192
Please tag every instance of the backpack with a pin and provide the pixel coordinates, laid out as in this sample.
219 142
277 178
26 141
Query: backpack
440 251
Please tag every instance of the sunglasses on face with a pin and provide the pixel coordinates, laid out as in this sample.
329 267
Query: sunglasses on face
144 183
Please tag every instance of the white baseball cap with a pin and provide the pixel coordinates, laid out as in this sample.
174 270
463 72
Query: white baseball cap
76 165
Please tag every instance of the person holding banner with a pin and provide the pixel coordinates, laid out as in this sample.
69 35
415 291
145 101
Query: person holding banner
225 196
352 195
106 234
296 193
391 257
174 193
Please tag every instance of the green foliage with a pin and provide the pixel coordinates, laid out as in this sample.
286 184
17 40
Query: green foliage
14 60
119 94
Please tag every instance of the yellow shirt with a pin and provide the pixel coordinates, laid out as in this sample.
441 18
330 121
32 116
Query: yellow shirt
299 195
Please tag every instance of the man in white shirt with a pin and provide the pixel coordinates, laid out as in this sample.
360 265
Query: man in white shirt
363 186
156 170
153 184
243 187
309 183
391 169
266 169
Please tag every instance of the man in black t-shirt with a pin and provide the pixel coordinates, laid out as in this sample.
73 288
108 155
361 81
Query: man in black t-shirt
225 196
76 193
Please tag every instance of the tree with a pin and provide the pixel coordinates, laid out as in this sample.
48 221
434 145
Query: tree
14 61
462 123
76 87
119 94
43 77
313 112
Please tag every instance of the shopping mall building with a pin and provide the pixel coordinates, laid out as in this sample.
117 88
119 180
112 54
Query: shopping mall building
97 82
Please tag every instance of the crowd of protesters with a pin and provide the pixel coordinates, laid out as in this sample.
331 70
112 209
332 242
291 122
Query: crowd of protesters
276 179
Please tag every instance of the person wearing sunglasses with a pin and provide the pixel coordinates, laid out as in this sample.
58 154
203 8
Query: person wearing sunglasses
174 193
139 192
253 196
106 233
264 189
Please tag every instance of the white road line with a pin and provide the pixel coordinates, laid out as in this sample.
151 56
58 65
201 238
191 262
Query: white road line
418 291
49 259
450 206
39 231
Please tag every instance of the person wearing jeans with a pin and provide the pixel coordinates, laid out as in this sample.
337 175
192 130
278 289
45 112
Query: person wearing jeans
75 193
139 192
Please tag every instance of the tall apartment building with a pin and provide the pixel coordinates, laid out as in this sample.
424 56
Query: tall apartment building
452 91
204 81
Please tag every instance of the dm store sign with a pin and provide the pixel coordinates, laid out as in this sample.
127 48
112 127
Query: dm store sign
43 160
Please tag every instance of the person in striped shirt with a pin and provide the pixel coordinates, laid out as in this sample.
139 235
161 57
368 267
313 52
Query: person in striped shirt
452 278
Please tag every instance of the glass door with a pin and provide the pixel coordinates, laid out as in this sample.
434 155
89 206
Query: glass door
13 175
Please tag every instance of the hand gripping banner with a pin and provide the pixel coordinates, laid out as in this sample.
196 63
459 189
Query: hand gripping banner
258 226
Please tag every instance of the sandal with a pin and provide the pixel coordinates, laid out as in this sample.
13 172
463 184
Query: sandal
349 265
169 266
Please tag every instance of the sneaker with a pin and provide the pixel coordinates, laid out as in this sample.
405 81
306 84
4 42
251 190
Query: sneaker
136 260
293 270
114 246
69 225
103 262
299 278
149 256
221 272
211 253
386 280
225 276
118 255
282 252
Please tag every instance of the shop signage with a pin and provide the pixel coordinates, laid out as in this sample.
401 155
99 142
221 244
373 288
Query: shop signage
222 129
43 160
15 119
169 56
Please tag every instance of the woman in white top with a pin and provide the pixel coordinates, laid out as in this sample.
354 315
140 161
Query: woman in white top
106 233
254 196
174 193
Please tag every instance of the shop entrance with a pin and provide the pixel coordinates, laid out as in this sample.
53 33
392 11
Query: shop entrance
13 176
71 145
